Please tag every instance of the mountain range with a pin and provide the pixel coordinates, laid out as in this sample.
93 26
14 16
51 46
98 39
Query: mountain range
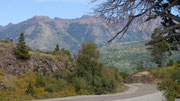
42 32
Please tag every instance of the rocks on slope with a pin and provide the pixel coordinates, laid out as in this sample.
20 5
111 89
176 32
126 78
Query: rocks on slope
39 62
142 77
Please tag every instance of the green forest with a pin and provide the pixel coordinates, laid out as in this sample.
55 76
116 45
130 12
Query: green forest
128 57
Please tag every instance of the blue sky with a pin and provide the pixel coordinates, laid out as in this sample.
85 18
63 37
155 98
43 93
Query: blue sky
15 11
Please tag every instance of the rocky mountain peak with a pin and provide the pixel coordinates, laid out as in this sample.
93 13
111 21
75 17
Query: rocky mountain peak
9 25
85 17
41 18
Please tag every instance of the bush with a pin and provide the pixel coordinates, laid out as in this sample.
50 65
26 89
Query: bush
170 84
170 88
61 73
171 62
54 85
97 84
175 75
62 85
83 92
124 75
40 82
50 88
30 89
178 61
79 83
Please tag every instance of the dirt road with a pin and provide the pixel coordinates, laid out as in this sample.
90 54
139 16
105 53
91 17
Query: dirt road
136 92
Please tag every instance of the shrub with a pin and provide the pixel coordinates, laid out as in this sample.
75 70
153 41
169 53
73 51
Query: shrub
83 92
79 83
61 85
170 88
67 53
61 73
67 63
50 88
40 82
175 75
124 75
178 61
171 62
30 89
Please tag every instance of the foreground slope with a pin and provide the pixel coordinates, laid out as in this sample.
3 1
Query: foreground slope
38 62
54 74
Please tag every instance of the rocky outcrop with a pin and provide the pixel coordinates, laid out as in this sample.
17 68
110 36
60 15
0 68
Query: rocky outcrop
39 62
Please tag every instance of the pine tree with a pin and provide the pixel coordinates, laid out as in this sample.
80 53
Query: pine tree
160 52
21 50
57 48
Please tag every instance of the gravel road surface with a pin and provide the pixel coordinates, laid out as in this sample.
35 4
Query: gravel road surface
136 92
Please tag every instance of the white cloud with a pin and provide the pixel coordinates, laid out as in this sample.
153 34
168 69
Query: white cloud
74 1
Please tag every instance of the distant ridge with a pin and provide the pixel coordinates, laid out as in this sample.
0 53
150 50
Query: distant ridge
43 32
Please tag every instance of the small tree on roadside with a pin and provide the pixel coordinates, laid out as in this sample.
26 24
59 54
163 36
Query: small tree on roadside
160 52
21 50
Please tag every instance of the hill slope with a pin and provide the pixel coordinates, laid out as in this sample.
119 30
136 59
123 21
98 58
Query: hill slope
42 32
38 62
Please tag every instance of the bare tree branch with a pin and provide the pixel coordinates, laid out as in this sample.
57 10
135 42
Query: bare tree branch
136 9
162 13
176 18
169 28
123 30
132 17
164 38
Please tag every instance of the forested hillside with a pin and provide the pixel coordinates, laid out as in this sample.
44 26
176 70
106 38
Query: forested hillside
129 56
